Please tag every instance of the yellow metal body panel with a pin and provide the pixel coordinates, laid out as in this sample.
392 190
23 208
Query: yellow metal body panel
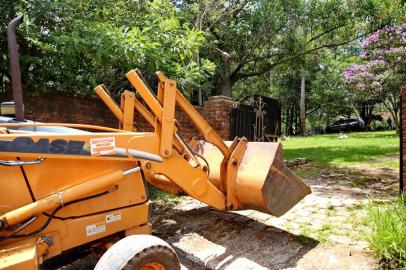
142 229
76 228
19 256
13 192
168 118
127 105
60 173
144 92
109 102
93 195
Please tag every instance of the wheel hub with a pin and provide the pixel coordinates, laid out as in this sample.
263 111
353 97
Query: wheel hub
152 266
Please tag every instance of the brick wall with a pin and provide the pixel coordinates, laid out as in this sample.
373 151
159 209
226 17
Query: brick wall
60 107
217 112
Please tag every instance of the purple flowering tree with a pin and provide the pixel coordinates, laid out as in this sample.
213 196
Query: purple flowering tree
383 70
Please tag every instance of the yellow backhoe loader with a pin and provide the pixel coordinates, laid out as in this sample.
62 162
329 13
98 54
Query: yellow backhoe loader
64 186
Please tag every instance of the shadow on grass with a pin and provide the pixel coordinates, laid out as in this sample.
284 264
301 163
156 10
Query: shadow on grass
335 155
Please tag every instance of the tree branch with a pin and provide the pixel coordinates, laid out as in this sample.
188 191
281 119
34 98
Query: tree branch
325 33
282 61
244 60
229 13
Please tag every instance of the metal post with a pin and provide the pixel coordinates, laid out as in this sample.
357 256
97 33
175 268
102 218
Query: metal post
15 67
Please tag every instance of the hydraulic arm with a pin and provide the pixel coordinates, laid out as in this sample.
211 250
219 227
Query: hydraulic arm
65 186
226 175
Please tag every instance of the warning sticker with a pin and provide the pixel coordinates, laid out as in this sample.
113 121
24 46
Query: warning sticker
102 146
113 217
95 228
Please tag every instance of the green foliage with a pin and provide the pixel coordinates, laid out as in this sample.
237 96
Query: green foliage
387 232
380 76
160 195
327 96
194 75
74 45
265 34
318 39
326 87
329 150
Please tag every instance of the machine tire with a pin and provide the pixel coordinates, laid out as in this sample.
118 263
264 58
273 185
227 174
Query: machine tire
136 251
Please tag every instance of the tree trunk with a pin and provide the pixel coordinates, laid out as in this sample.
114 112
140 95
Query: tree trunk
302 105
328 119
297 124
199 19
226 86
225 80
392 104
290 125
366 113
199 90
287 121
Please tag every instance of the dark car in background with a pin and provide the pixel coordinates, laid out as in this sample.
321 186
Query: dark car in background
346 125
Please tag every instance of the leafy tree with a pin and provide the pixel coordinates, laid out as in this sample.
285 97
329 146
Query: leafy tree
327 96
260 35
213 47
74 45
383 69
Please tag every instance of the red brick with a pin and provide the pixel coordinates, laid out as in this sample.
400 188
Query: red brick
60 107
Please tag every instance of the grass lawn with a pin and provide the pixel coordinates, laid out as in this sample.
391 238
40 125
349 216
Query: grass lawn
380 147
386 234
382 224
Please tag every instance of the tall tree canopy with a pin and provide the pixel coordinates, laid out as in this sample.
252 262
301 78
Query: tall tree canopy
74 45
230 47
260 35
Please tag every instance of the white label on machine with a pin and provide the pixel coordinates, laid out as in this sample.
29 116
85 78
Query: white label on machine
113 217
95 228
102 146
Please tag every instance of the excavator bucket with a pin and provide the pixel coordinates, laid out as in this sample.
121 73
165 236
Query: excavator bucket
242 175
263 181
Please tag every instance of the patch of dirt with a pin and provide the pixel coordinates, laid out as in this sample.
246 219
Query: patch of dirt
357 182
318 233
205 238
337 257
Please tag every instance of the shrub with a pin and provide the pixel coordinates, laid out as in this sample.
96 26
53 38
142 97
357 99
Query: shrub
377 125
387 233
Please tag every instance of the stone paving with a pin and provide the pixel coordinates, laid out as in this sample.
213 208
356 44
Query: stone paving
322 232
318 233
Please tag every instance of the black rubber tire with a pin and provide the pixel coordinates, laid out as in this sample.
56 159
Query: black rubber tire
134 251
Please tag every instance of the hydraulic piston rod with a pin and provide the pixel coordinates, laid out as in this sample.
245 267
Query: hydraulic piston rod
60 198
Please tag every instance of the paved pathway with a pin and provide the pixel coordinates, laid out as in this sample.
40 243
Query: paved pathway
318 233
